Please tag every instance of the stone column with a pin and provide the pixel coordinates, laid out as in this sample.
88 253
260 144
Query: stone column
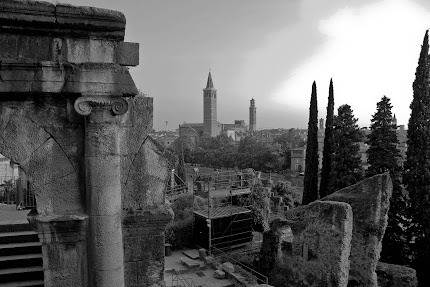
103 187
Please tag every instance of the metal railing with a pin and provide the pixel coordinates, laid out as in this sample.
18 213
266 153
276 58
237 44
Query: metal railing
17 191
260 278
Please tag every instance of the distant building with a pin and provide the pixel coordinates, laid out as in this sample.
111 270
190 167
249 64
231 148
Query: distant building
298 159
210 126
252 117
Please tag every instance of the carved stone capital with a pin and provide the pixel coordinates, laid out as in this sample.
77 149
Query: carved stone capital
84 105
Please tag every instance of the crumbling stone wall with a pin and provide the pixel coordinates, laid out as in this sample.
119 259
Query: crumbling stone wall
317 252
370 201
68 105
390 275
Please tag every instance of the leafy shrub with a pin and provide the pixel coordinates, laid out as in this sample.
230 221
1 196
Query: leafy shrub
179 232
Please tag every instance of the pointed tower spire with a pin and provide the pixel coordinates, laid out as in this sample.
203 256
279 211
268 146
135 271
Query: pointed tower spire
209 84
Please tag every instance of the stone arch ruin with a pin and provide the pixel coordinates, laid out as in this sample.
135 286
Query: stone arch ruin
71 116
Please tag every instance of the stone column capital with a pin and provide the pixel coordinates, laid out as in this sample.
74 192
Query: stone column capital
84 105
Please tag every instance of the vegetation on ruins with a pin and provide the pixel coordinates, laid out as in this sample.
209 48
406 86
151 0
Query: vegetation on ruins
328 142
310 185
383 156
417 166
346 161
258 201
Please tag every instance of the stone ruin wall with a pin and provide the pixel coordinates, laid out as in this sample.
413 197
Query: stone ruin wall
369 202
71 117
317 253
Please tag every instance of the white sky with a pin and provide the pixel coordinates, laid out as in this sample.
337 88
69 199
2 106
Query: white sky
272 51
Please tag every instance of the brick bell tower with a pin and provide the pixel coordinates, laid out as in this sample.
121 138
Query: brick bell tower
252 117
210 123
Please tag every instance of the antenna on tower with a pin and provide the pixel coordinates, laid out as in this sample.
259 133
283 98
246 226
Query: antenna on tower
167 125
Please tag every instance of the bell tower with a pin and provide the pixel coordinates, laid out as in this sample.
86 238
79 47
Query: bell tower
252 117
210 123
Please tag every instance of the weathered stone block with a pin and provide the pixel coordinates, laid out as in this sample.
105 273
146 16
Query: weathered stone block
370 201
127 54
190 263
219 274
390 275
228 267
209 260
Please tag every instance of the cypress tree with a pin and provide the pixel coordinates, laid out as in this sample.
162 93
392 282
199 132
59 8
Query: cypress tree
328 142
417 166
310 185
346 160
383 157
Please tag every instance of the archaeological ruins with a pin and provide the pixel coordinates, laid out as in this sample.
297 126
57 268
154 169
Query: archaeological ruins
72 118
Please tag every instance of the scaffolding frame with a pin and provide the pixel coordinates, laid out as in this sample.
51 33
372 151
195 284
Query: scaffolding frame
215 187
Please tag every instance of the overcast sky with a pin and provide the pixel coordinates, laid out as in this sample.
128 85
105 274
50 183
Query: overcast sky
272 51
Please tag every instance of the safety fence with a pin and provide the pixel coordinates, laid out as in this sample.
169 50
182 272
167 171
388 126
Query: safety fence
17 191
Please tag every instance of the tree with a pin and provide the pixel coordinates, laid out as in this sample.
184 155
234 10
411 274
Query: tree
289 140
310 184
417 166
328 142
346 160
382 154
383 157
286 190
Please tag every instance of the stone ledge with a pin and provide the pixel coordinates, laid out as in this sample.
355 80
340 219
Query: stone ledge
52 77
44 18
59 228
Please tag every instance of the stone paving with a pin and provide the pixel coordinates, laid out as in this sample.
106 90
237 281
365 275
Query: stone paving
206 278
9 214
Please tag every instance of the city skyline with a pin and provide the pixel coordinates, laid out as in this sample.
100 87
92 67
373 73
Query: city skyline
272 52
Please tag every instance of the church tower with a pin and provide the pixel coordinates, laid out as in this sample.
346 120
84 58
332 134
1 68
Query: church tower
210 124
252 117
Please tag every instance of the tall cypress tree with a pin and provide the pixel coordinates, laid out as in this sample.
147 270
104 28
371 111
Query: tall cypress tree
310 185
328 142
417 166
346 160
383 157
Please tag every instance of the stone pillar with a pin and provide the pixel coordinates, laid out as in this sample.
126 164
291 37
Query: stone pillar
103 182
144 246
64 249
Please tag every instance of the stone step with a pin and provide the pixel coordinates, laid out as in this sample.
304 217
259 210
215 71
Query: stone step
18 237
20 248
24 260
22 273
30 283
9 227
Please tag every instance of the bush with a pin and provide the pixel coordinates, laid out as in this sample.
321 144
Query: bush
179 233
183 206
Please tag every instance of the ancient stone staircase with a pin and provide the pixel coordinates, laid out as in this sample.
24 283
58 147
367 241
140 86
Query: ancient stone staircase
20 256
